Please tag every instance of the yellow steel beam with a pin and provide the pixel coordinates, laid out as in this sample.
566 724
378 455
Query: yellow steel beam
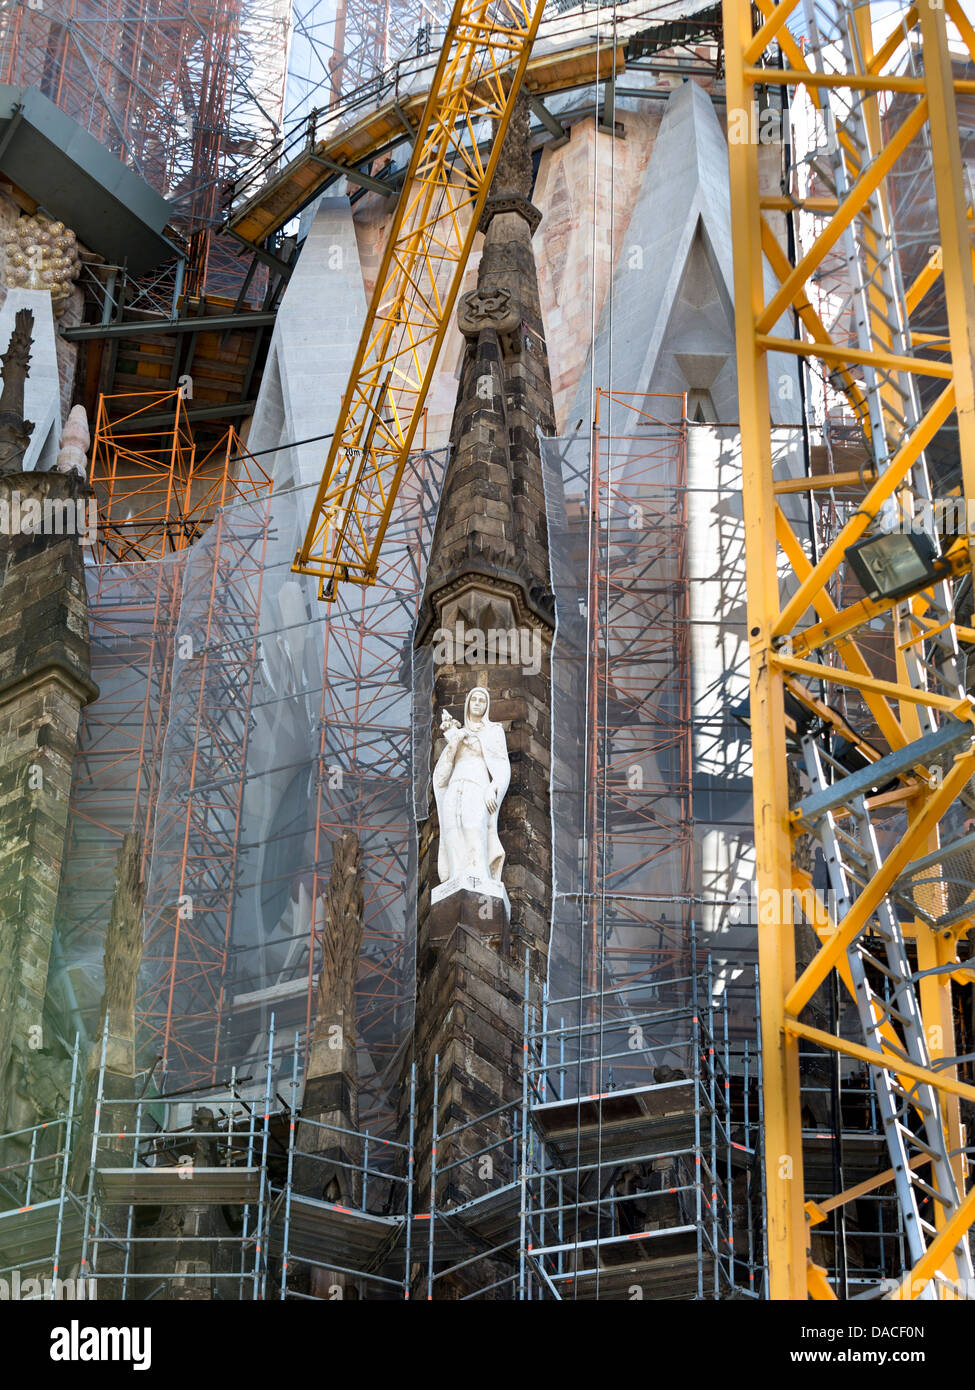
847 649
854 203
883 361
861 82
819 1287
868 511
479 72
942 1080
818 1211
859 615
820 482
956 251
787 1239
961 709
780 633
917 1279
908 847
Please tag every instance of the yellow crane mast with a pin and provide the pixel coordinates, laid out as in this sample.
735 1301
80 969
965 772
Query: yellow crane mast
478 77
885 92
893 920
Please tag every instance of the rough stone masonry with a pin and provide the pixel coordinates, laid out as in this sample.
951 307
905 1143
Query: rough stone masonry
45 682
489 569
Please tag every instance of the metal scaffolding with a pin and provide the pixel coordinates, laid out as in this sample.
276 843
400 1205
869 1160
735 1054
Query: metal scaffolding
157 494
223 1190
324 1246
205 1150
616 1175
640 817
241 738
622 784
180 90
345 47
196 850
156 490
41 1219
884 815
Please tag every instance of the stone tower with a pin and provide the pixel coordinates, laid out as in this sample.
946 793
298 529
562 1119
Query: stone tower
489 574
45 682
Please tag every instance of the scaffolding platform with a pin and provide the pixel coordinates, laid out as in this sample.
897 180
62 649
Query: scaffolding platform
327 1233
666 1264
591 1196
642 1120
489 1217
487 1223
275 189
673 1274
177 1186
28 1235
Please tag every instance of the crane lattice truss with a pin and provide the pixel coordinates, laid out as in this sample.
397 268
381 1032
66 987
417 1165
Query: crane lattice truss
887 816
478 75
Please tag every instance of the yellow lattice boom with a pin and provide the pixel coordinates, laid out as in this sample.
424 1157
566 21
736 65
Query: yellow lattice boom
478 76
887 90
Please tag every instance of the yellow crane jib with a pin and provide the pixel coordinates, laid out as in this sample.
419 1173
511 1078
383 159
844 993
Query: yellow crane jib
478 76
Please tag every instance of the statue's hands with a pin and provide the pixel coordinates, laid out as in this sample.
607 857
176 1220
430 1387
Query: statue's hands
491 800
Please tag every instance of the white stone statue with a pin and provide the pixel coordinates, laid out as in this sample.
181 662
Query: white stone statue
75 438
469 783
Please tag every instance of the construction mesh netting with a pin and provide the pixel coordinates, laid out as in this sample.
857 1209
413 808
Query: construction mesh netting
621 770
243 726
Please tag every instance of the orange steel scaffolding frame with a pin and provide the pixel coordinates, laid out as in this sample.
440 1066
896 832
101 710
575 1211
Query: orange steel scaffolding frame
155 498
156 493
196 963
640 744
195 885
133 611
177 632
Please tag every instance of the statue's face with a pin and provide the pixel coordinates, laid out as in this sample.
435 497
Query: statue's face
478 704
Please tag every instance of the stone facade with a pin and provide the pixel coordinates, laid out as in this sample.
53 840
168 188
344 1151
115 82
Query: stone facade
44 684
489 569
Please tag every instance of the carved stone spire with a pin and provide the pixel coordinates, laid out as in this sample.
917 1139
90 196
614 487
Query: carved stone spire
123 949
328 1154
492 512
489 575
15 431
341 938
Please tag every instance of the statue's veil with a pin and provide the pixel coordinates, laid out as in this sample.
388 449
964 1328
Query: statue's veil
492 740
495 751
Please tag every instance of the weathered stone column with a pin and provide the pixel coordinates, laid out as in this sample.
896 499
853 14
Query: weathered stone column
489 574
44 684
330 1094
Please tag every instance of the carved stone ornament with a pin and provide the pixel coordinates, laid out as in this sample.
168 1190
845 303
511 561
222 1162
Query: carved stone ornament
488 308
40 254
75 439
